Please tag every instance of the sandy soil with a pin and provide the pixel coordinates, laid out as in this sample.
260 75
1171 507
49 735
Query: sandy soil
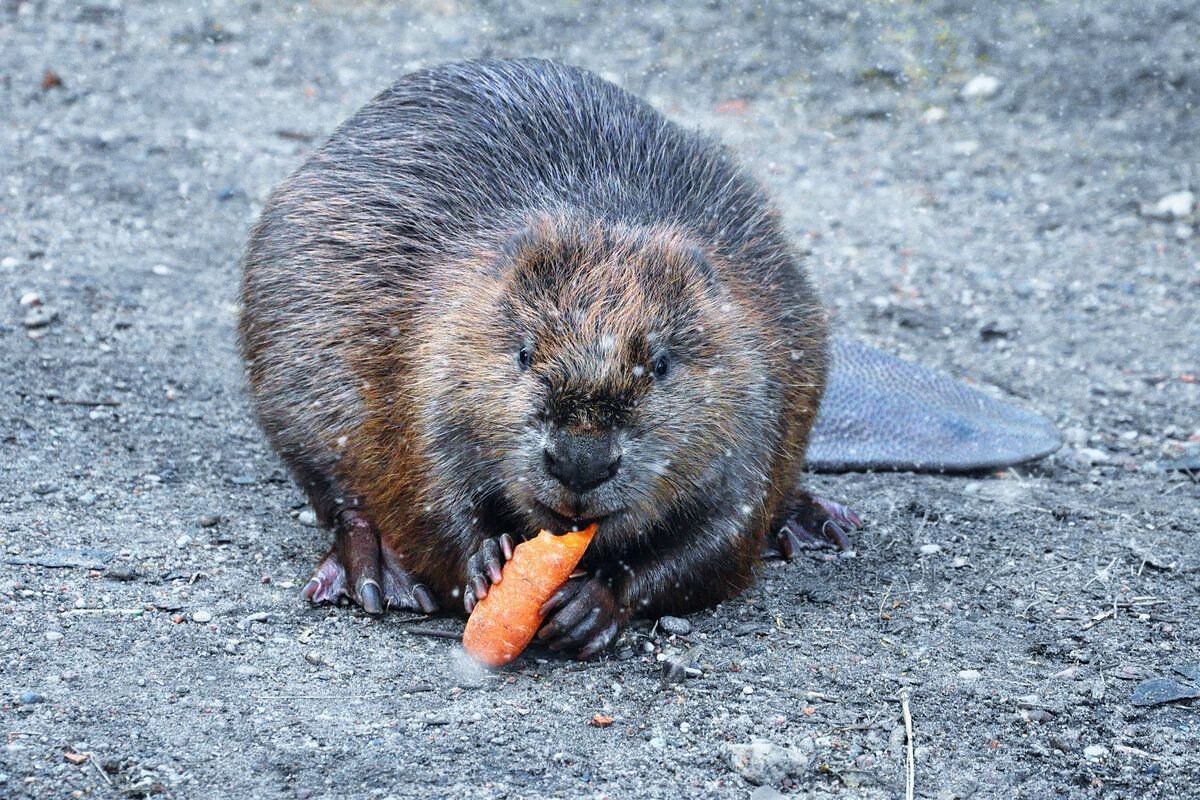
153 642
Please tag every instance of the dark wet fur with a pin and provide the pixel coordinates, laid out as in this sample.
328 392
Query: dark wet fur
478 208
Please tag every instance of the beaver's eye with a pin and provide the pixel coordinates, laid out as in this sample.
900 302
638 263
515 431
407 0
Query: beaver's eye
524 358
661 366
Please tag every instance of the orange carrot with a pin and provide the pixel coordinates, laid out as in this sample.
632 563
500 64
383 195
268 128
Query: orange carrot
504 622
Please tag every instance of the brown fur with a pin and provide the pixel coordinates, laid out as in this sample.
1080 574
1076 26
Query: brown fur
383 314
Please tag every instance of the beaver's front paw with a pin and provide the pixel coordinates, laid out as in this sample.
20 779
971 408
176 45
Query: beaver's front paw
484 568
582 614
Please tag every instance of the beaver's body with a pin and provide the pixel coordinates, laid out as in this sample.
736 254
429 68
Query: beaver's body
509 295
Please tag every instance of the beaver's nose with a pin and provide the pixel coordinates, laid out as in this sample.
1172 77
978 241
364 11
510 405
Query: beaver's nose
582 463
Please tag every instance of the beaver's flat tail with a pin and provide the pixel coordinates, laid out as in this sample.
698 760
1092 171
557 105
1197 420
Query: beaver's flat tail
883 413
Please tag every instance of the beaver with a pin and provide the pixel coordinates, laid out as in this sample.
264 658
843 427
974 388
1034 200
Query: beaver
507 295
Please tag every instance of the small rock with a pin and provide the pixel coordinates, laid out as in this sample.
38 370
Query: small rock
245 479
40 316
969 675
675 626
202 617
9 262
31 299
981 87
122 573
247 622
44 487
658 743
933 115
308 517
87 499
30 698
183 541
1157 691
930 549
1095 751
1090 455
53 636
764 763
210 520
1170 207
678 667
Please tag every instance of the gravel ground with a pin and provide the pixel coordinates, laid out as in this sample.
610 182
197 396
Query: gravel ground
154 643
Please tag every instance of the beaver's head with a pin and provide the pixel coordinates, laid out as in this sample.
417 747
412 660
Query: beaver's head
606 374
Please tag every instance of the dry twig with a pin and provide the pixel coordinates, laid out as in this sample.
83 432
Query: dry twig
911 778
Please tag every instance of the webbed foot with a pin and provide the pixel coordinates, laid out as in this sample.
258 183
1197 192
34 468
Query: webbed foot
812 523
367 570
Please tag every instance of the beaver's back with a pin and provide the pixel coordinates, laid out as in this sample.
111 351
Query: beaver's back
449 154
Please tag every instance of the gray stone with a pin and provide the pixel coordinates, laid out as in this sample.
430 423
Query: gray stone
765 763
981 87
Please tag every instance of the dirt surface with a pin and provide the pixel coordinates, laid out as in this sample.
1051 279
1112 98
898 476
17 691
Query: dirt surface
153 640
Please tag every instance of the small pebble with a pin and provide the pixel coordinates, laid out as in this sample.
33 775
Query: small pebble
183 541
40 316
1090 455
675 626
29 698
981 87
765 763
122 573
969 675
202 617
31 299
1095 751
210 520
1171 207
9 262
87 499
308 517
930 549
53 636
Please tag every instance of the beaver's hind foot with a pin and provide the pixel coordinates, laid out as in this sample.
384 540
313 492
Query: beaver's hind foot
365 569
812 523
